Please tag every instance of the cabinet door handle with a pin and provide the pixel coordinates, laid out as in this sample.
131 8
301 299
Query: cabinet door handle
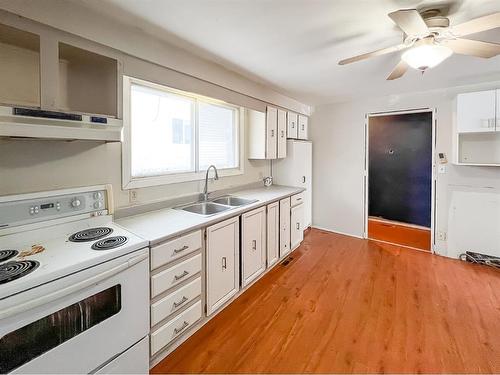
302 126
224 263
282 134
272 132
181 328
177 304
304 179
182 275
185 247
254 244
298 225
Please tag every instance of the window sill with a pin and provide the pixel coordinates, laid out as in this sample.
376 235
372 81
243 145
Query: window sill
142 182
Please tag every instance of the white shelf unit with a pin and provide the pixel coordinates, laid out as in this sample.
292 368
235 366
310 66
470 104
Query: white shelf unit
476 139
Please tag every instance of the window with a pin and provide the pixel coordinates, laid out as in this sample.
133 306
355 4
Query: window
173 136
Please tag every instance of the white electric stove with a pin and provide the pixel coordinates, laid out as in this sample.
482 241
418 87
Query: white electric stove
74 286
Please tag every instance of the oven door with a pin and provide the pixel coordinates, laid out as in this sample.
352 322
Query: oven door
79 322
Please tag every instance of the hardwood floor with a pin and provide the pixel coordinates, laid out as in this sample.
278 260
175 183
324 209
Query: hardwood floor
348 305
390 231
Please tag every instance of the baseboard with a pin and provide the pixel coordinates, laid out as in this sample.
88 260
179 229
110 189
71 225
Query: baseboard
337 232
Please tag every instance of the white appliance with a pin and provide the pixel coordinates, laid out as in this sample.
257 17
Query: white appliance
34 123
74 286
296 170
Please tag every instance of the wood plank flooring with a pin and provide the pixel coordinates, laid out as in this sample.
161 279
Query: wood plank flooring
348 305
400 234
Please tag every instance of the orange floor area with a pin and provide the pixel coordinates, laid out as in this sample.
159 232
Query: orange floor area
399 234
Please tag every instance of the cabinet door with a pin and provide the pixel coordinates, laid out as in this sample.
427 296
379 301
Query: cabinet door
273 229
476 111
281 133
271 133
292 119
222 271
302 128
296 226
284 227
253 244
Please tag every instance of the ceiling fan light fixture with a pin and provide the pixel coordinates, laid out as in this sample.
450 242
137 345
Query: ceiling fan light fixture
426 56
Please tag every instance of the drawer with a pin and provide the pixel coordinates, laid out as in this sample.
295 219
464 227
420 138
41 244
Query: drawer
175 301
171 330
296 199
175 275
171 250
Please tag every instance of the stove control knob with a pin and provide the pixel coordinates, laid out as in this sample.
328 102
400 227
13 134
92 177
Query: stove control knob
76 203
98 195
98 205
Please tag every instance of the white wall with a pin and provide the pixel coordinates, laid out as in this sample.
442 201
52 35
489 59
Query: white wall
337 131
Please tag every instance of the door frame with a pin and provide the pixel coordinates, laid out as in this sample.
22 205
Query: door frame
433 111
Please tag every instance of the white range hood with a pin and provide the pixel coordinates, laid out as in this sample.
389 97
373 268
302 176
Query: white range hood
32 123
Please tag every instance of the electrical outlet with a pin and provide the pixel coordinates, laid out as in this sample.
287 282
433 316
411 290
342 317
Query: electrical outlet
441 235
133 195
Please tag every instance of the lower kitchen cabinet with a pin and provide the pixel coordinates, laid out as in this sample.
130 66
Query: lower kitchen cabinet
296 225
284 227
273 230
222 249
253 245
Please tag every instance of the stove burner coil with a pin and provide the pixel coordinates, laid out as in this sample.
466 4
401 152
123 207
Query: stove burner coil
109 243
90 234
7 254
14 270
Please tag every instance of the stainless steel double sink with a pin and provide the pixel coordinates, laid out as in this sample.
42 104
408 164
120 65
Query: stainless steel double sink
216 205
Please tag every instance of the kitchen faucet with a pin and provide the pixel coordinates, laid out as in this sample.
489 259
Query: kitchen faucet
216 177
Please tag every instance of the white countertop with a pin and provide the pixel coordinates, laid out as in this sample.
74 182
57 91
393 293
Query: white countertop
160 225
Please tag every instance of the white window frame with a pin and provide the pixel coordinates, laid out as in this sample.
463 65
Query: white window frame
129 182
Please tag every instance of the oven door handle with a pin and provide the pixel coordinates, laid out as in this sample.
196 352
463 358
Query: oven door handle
43 300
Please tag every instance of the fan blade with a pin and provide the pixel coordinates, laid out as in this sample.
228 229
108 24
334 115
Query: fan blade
410 21
477 25
474 47
378 52
398 71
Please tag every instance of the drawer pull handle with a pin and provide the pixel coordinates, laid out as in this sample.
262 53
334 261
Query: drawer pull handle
299 199
184 274
177 304
181 328
254 244
185 247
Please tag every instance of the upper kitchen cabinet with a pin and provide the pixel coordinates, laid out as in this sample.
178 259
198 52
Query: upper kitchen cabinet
281 134
88 82
477 129
292 128
20 67
41 71
266 134
476 112
302 130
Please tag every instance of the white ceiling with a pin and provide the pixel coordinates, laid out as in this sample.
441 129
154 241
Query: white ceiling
294 45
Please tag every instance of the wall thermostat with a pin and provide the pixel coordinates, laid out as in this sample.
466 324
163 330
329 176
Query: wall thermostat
442 158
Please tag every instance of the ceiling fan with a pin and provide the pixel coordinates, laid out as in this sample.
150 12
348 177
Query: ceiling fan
428 40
